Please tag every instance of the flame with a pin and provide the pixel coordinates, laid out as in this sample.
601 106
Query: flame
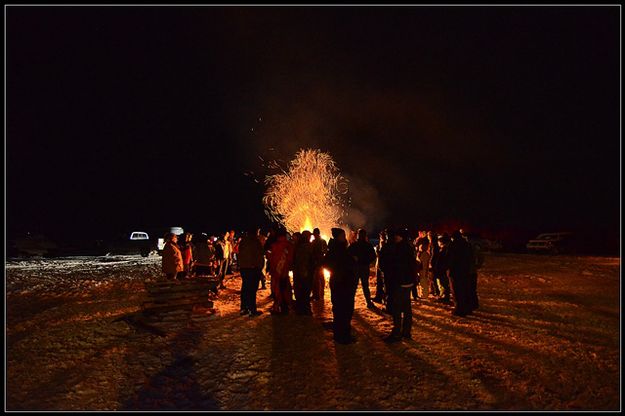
326 275
309 195
307 225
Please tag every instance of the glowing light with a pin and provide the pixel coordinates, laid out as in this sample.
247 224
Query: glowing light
309 195
307 225
326 275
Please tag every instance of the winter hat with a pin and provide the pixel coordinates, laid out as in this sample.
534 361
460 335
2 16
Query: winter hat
403 233
456 235
337 231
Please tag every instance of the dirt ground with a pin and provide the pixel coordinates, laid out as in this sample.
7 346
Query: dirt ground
546 337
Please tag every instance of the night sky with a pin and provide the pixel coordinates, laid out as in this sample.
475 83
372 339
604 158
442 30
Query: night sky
130 118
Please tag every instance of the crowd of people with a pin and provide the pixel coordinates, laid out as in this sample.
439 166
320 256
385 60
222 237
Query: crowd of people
439 268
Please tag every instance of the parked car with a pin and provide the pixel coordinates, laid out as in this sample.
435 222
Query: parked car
138 242
551 243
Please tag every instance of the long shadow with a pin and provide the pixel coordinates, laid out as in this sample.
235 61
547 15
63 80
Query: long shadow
410 371
175 387
588 302
503 316
297 362
450 335
417 364
548 366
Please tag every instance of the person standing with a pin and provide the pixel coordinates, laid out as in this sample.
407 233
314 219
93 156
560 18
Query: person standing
251 261
263 277
477 261
460 258
172 257
343 285
281 261
364 254
423 256
232 258
271 238
399 263
204 256
319 250
440 265
219 255
303 272
380 295
187 256
433 250
226 247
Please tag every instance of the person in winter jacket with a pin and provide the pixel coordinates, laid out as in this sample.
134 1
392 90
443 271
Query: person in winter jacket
281 262
423 256
172 257
399 263
251 260
380 294
226 248
271 238
319 248
460 259
303 273
433 249
187 256
364 254
343 285
476 263
204 256
440 265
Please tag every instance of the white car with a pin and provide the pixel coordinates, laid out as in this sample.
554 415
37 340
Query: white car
553 243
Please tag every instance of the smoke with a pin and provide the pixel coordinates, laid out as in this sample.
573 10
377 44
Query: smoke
367 209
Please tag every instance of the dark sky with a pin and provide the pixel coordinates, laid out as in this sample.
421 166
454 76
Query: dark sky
138 117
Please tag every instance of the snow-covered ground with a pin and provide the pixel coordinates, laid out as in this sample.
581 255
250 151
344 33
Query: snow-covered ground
546 337
62 274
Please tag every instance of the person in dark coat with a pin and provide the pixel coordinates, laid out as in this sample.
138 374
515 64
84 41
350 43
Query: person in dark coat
476 262
187 250
271 238
380 294
440 265
281 262
251 263
320 248
364 254
433 246
399 263
343 285
303 272
460 259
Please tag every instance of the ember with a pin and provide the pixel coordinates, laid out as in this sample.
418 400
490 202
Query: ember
309 195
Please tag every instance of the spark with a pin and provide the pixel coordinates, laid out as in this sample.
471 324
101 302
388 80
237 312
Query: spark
310 194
